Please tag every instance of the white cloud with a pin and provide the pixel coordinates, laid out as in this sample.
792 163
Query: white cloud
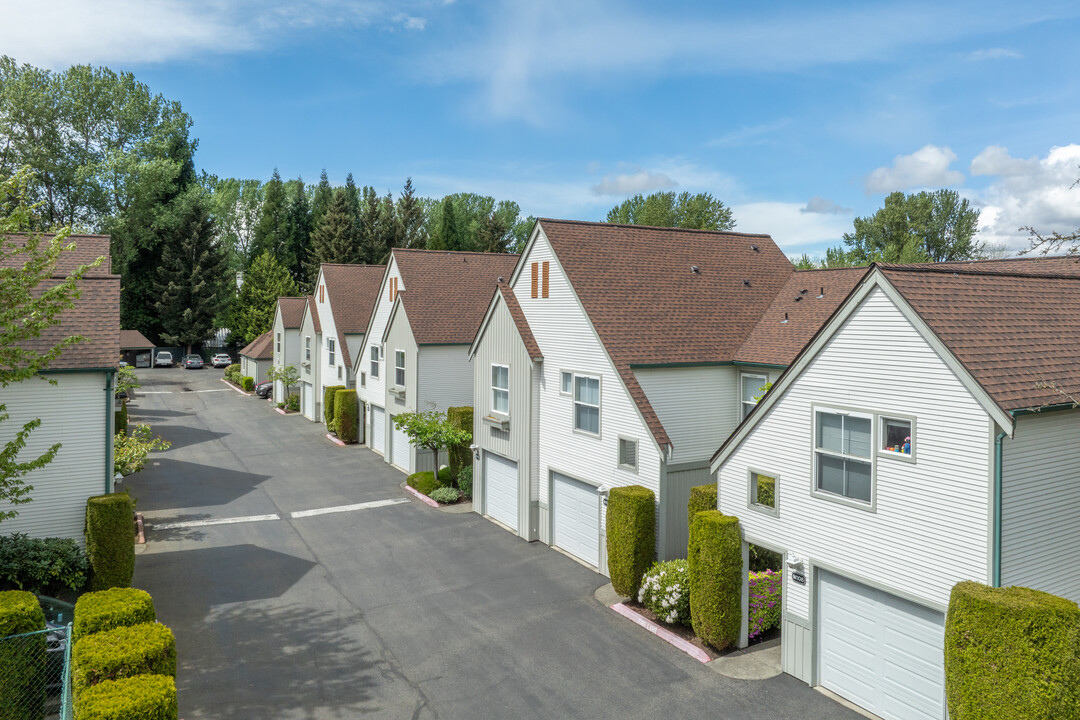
926 167
818 204
794 230
994 54
752 135
409 22
995 160
642 181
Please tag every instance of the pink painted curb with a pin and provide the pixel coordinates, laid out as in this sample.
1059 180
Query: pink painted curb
662 633
422 497
141 537
279 411
334 440
229 384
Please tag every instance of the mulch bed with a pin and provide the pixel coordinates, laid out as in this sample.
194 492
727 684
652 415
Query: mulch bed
683 631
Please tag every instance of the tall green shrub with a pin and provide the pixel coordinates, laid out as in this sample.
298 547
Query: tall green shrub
347 415
716 573
144 697
328 405
118 607
110 540
631 536
22 661
121 418
47 566
247 383
702 498
144 649
1011 654
460 454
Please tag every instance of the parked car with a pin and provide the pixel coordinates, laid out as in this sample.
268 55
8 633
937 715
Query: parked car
221 360
163 359
193 362
264 389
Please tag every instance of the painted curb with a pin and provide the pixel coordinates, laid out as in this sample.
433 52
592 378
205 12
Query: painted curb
229 384
662 633
279 411
421 496
334 440
140 528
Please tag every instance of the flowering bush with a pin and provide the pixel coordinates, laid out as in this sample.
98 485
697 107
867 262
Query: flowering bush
765 601
665 590
130 451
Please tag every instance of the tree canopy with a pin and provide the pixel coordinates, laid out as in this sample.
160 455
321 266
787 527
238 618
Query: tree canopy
666 209
252 313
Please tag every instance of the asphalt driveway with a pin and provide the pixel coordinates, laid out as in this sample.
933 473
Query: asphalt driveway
390 609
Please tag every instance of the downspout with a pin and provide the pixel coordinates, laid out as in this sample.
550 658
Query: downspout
996 556
110 428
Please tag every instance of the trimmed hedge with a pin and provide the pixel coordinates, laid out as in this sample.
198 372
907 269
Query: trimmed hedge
119 607
702 498
716 575
631 536
328 405
110 540
144 697
47 566
247 383
347 415
465 482
1011 654
460 455
22 662
426 483
121 420
144 649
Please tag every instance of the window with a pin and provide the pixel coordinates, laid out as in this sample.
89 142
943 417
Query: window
896 437
399 368
363 379
627 453
842 462
763 491
338 372
566 382
278 343
307 348
587 404
500 389
751 389
330 350
374 361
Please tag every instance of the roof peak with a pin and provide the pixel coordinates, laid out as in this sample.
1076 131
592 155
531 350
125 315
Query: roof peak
453 252
978 272
594 223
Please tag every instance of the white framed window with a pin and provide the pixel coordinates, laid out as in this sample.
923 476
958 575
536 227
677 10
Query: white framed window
363 379
374 361
279 343
843 462
751 388
628 457
500 389
896 437
338 372
330 350
566 382
399 368
762 491
307 348
587 404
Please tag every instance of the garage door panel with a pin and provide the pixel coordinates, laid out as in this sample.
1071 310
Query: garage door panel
501 489
378 429
399 448
576 518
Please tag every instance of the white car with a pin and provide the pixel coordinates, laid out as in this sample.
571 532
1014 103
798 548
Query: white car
163 359
221 360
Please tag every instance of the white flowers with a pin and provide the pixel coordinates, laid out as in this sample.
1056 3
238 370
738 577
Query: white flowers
665 591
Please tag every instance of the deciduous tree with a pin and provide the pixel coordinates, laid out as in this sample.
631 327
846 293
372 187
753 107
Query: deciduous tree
666 209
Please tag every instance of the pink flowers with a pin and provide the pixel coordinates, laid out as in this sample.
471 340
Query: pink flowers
765 601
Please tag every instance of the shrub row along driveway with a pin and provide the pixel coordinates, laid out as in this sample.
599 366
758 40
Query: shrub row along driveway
394 611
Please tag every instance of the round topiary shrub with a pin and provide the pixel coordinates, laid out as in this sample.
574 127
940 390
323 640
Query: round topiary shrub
247 383
22 660
328 405
631 536
347 415
144 697
1011 654
716 572
665 590
119 607
702 498
110 540
445 495
144 649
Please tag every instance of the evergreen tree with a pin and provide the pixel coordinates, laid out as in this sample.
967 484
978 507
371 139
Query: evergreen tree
373 236
409 219
193 281
333 240
298 233
447 234
264 282
270 232
352 194
321 198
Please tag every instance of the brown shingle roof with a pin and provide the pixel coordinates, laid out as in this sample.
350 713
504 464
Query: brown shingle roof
133 340
292 311
514 308
774 342
352 291
88 248
447 293
261 348
1028 265
314 314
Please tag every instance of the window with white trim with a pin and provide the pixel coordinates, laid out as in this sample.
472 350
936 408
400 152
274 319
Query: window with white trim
763 491
307 348
330 350
842 455
399 368
628 453
278 343
500 389
587 404
566 382
896 437
374 361
751 391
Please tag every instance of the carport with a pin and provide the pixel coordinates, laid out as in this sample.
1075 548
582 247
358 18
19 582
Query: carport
135 349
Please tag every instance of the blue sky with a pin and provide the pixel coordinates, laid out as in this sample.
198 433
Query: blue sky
798 115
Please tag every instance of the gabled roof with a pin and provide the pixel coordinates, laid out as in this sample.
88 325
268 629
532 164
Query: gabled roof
352 291
261 348
446 294
133 340
506 293
292 311
311 310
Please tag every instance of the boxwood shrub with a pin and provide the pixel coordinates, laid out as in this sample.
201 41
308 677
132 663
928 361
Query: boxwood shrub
346 415
1011 654
143 649
460 455
716 570
22 661
119 607
328 405
110 540
702 498
631 536
426 483
247 383
144 697
48 566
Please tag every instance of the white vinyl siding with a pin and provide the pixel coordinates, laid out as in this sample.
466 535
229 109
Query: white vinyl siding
445 377
930 527
375 388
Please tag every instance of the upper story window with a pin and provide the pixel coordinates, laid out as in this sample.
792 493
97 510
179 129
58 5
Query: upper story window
500 389
399 368
763 491
307 348
374 361
752 391
628 453
842 455
330 350
587 404
566 382
897 437
278 343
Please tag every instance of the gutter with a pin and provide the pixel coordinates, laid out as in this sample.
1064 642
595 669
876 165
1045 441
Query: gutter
996 543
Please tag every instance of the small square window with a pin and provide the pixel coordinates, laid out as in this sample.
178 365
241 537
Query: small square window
628 453
762 490
566 381
896 437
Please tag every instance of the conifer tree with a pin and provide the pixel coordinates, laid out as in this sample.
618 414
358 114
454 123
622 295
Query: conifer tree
321 198
264 282
374 244
409 219
298 233
333 240
447 233
270 232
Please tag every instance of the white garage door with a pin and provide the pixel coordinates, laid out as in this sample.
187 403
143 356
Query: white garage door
307 400
880 651
501 489
378 429
399 449
576 518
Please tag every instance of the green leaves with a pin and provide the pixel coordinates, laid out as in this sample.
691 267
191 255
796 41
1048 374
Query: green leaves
264 282
666 209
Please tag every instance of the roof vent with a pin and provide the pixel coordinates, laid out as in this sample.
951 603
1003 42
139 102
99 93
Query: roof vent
754 248
822 294
802 292
784 321
798 298
695 269
746 283
500 279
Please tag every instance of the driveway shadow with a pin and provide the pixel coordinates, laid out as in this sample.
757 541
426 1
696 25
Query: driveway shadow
134 412
176 484
182 436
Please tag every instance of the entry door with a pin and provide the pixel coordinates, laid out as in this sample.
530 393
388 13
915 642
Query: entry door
576 518
879 651
307 400
378 429
501 489
399 449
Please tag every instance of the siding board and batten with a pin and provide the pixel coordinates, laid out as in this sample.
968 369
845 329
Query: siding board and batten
398 336
374 390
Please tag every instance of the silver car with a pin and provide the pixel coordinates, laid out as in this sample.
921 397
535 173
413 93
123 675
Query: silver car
221 360
163 359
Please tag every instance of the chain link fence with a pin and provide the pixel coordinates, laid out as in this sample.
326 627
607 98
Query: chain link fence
35 675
